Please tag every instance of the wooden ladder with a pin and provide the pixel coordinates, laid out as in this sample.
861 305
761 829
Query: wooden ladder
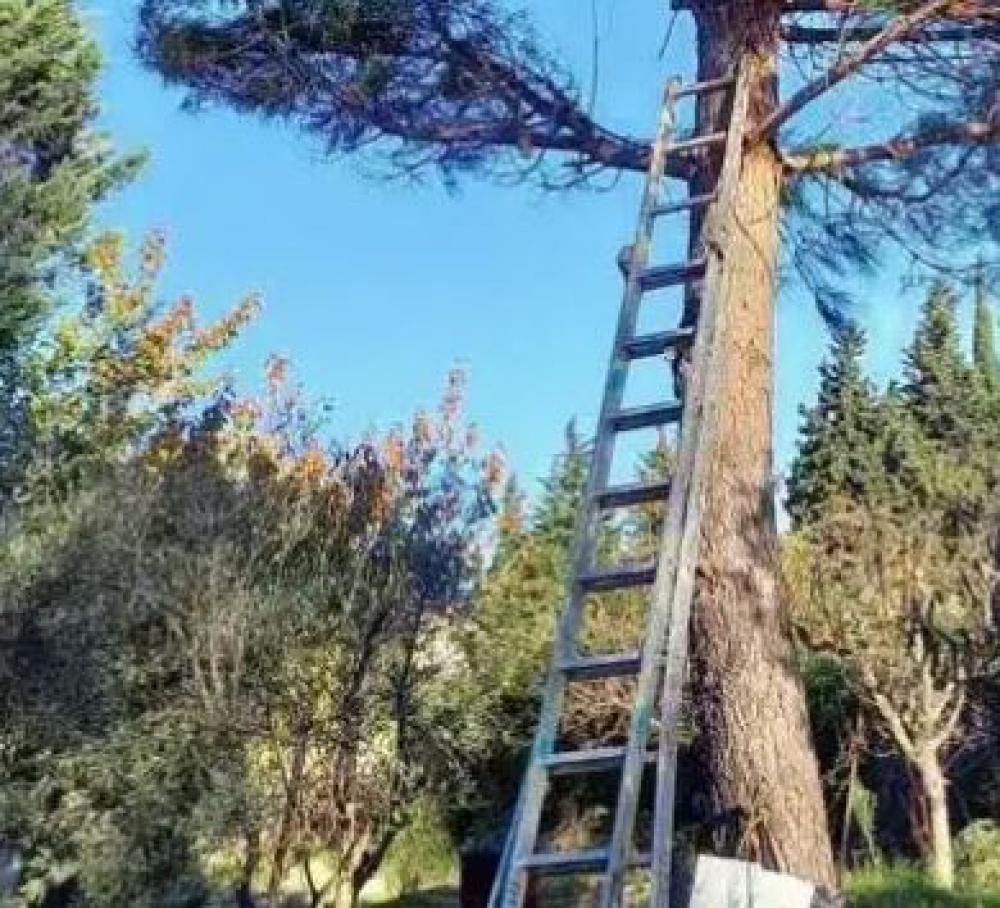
659 669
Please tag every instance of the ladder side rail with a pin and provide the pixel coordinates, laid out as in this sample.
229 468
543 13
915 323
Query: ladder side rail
662 604
512 889
503 871
704 385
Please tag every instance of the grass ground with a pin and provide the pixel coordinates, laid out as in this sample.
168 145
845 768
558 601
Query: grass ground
434 897
904 887
882 887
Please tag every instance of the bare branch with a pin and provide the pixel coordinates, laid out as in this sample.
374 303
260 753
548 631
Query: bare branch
894 722
805 34
821 6
898 29
965 8
951 723
796 6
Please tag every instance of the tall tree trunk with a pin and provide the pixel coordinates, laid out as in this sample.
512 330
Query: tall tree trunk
933 782
754 740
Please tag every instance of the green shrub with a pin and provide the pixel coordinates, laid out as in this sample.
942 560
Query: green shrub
977 855
421 855
900 886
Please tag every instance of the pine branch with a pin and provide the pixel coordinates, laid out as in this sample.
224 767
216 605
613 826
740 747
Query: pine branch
452 87
899 148
822 6
962 8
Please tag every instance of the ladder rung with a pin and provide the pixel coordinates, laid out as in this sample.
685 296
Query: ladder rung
593 860
645 417
618 578
694 142
584 761
700 88
667 275
599 668
658 343
624 496
598 759
696 201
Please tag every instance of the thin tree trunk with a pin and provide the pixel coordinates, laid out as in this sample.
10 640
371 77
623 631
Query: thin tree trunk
317 894
942 863
754 740
918 813
852 783
244 892
293 786
346 895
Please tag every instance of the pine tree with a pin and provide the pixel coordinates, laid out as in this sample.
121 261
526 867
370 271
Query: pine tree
984 352
840 450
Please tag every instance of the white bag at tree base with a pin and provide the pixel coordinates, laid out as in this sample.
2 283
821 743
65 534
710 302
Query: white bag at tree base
726 883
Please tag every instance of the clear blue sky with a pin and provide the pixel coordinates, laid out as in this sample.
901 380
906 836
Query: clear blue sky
375 290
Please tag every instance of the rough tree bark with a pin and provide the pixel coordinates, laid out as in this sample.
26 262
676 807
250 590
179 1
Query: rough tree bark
754 742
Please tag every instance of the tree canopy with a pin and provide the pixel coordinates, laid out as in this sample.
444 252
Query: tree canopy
226 648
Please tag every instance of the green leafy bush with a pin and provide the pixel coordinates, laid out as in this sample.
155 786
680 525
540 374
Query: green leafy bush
421 855
977 853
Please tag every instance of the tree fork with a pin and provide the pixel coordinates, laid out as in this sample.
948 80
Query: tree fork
754 741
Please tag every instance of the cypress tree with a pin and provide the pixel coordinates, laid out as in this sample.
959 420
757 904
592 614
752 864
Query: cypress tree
511 519
53 166
840 448
554 519
984 352
938 386
524 589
